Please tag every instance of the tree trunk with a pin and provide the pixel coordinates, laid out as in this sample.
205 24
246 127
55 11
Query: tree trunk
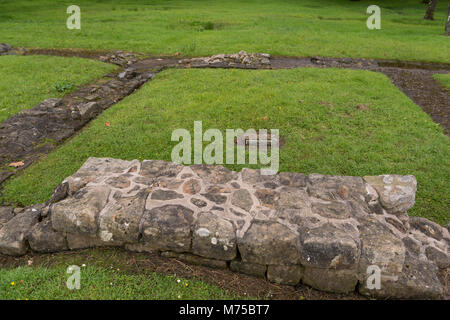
429 15
447 24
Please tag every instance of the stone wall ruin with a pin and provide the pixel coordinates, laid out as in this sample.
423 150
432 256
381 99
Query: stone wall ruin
322 231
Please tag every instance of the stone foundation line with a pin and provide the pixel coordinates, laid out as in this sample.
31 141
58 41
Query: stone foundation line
24 137
319 230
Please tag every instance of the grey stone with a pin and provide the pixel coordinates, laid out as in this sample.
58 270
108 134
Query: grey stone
441 258
426 226
192 186
241 198
285 274
120 182
412 245
380 247
328 246
89 110
267 197
397 193
213 174
4 47
331 209
252 269
214 237
79 214
13 233
254 177
43 238
292 179
269 242
330 280
6 214
159 168
168 228
198 202
329 187
193 259
83 241
215 197
160 194
120 221
418 280
60 192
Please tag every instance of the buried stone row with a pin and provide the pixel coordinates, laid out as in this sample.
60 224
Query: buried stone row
323 231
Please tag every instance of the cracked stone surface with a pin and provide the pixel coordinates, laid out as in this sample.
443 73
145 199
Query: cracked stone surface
323 231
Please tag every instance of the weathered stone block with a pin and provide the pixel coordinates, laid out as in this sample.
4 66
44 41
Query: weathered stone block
43 238
268 242
330 280
120 221
252 269
397 193
79 214
13 233
328 246
285 274
6 214
214 237
168 228
193 259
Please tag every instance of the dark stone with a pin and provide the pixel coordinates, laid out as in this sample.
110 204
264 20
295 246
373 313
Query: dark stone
267 197
13 233
215 197
165 195
241 198
252 269
43 238
331 209
269 242
159 168
441 259
426 226
168 228
6 214
192 186
292 179
198 202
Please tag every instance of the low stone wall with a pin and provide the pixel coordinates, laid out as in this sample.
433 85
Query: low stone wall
322 231
240 60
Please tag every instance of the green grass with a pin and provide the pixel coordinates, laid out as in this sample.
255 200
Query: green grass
41 283
28 80
444 79
196 27
314 109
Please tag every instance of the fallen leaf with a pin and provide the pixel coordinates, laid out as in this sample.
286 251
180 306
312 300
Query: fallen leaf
16 164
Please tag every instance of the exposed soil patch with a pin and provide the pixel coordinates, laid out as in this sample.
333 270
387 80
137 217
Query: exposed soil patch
146 263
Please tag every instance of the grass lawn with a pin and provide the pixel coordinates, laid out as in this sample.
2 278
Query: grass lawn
444 79
285 27
104 275
28 80
314 109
